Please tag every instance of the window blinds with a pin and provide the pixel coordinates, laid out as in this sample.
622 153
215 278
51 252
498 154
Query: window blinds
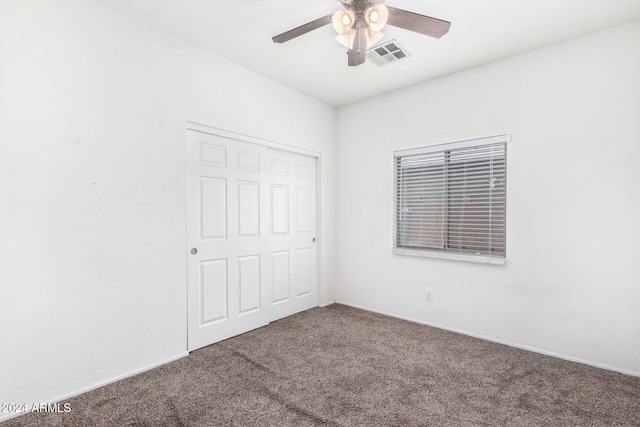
451 199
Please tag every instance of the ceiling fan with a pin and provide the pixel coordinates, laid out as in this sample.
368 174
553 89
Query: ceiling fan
360 24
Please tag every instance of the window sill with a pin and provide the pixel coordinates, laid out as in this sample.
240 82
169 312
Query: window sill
478 259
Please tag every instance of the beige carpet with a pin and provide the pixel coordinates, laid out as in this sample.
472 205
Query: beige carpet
339 366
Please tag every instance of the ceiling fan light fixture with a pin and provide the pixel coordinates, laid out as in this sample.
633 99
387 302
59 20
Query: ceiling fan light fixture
377 17
343 21
347 39
373 37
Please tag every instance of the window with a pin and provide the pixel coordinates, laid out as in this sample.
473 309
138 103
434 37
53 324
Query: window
450 200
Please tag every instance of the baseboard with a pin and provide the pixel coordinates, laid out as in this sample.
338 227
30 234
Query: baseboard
97 385
326 304
495 340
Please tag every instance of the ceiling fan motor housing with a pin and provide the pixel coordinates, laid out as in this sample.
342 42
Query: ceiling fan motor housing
359 6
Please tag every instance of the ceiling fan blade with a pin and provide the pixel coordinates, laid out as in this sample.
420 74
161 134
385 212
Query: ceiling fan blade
303 29
359 50
419 23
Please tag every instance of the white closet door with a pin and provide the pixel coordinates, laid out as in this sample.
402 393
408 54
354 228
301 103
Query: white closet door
292 233
251 235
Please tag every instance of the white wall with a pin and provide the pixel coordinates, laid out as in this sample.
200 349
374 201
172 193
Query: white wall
571 285
93 111
93 114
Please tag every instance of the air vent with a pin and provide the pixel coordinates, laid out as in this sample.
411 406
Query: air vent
387 53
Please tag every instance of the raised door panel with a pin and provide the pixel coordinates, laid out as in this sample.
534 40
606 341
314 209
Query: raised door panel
213 208
279 209
249 283
249 160
212 154
303 272
303 169
248 209
280 276
303 210
279 166
213 291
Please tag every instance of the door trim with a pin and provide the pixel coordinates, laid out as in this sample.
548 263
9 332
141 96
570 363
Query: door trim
199 127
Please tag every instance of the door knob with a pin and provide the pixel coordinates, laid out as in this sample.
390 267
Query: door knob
194 251
313 240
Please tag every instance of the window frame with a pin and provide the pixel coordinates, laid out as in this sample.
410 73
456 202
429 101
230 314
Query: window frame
447 252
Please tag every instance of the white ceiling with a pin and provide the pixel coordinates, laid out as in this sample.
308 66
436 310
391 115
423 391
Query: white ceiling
481 31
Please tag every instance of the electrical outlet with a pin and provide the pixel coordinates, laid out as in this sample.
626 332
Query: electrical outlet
429 295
